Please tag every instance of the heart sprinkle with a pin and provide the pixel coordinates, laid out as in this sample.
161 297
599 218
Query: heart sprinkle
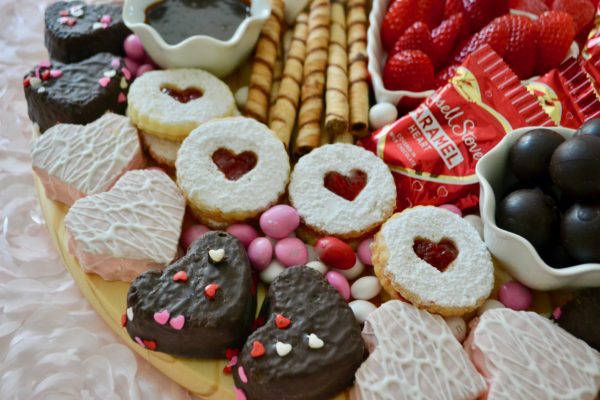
315 342
106 19
239 394
104 81
211 290
45 75
282 322
216 255
283 349
130 314
150 344
177 322
76 11
45 64
122 98
230 364
180 276
258 350
123 84
97 25
126 73
110 73
123 320
162 317
26 82
139 341
230 353
242 374
35 82
63 13
41 89
56 73
115 63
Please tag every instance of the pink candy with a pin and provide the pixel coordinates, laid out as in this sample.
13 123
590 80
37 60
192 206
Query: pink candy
452 208
244 232
339 282
134 48
291 251
279 221
260 253
192 233
364 251
515 296
143 69
132 65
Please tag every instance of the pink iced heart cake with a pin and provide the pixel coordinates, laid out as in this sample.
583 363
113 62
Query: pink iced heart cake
74 161
130 229
414 355
526 356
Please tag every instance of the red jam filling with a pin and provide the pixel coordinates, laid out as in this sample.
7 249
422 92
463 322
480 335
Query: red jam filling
234 166
182 96
439 255
346 186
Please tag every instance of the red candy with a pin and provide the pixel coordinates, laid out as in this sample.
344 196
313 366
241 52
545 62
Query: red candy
180 276
439 255
150 344
258 350
335 253
282 322
123 319
211 290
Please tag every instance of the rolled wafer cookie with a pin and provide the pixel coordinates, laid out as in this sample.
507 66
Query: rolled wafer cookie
357 72
261 78
336 96
284 49
311 108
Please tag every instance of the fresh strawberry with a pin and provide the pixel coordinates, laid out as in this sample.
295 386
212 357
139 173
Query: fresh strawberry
495 34
445 37
430 11
452 7
482 12
537 7
409 70
416 37
522 44
445 75
557 32
400 15
582 11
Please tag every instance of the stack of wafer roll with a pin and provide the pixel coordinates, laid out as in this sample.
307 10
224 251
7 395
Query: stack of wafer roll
284 49
357 46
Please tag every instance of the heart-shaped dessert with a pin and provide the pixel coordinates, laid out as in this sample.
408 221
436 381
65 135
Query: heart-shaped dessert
76 30
76 93
203 315
414 355
525 356
440 255
74 161
346 186
309 347
232 165
130 229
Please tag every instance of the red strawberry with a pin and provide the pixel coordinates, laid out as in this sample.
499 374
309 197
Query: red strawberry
452 7
409 70
482 12
495 34
522 44
416 37
557 32
582 11
445 75
537 7
400 15
444 38
430 11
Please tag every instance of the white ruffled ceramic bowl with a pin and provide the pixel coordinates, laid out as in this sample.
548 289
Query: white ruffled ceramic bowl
215 56
517 255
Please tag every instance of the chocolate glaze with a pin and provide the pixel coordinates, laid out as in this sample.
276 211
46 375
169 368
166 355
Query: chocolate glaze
211 325
74 43
581 317
77 96
302 295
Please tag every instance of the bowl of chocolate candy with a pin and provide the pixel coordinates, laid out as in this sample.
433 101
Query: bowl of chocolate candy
540 205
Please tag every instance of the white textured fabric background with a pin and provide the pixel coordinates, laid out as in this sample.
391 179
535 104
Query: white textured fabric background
52 344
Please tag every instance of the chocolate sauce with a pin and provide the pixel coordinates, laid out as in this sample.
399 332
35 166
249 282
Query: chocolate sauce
176 20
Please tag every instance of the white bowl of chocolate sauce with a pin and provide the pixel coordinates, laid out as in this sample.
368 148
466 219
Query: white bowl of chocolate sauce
214 35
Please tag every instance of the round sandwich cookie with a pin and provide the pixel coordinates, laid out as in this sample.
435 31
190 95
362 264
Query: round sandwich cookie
231 170
161 150
434 259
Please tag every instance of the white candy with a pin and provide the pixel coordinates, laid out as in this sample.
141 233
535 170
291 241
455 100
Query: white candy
362 309
35 82
315 342
353 272
475 221
216 255
271 272
130 314
458 326
283 349
382 114
489 304
365 288
241 96
318 266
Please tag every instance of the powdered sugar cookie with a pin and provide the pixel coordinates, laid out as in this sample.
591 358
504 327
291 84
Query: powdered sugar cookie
434 259
74 161
525 356
342 190
170 104
131 228
414 355
231 170
161 150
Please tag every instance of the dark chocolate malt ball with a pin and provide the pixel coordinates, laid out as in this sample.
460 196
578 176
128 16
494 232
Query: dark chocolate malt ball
591 127
529 157
580 232
575 167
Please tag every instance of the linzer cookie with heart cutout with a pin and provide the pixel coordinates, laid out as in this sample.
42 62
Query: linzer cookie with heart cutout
76 30
77 93
231 170
434 259
199 306
342 190
309 347
130 229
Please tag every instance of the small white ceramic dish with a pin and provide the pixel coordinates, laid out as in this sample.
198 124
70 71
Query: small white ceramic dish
215 56
516 254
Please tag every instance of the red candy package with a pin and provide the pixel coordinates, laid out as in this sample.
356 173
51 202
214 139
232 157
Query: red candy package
567 95
433 150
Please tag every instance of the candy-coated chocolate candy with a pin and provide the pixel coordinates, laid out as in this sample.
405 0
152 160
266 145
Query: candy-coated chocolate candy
361 309
574 167
364 251
515 296
382 114
458 326
271 272
475 221
339 282
591 127
134 48
365 288
143 69
452 208
260 253
354 272
241 96
132 66
291 251
317 265
580 231
529 157
335 253
489 304
192 233
279 221
244 232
